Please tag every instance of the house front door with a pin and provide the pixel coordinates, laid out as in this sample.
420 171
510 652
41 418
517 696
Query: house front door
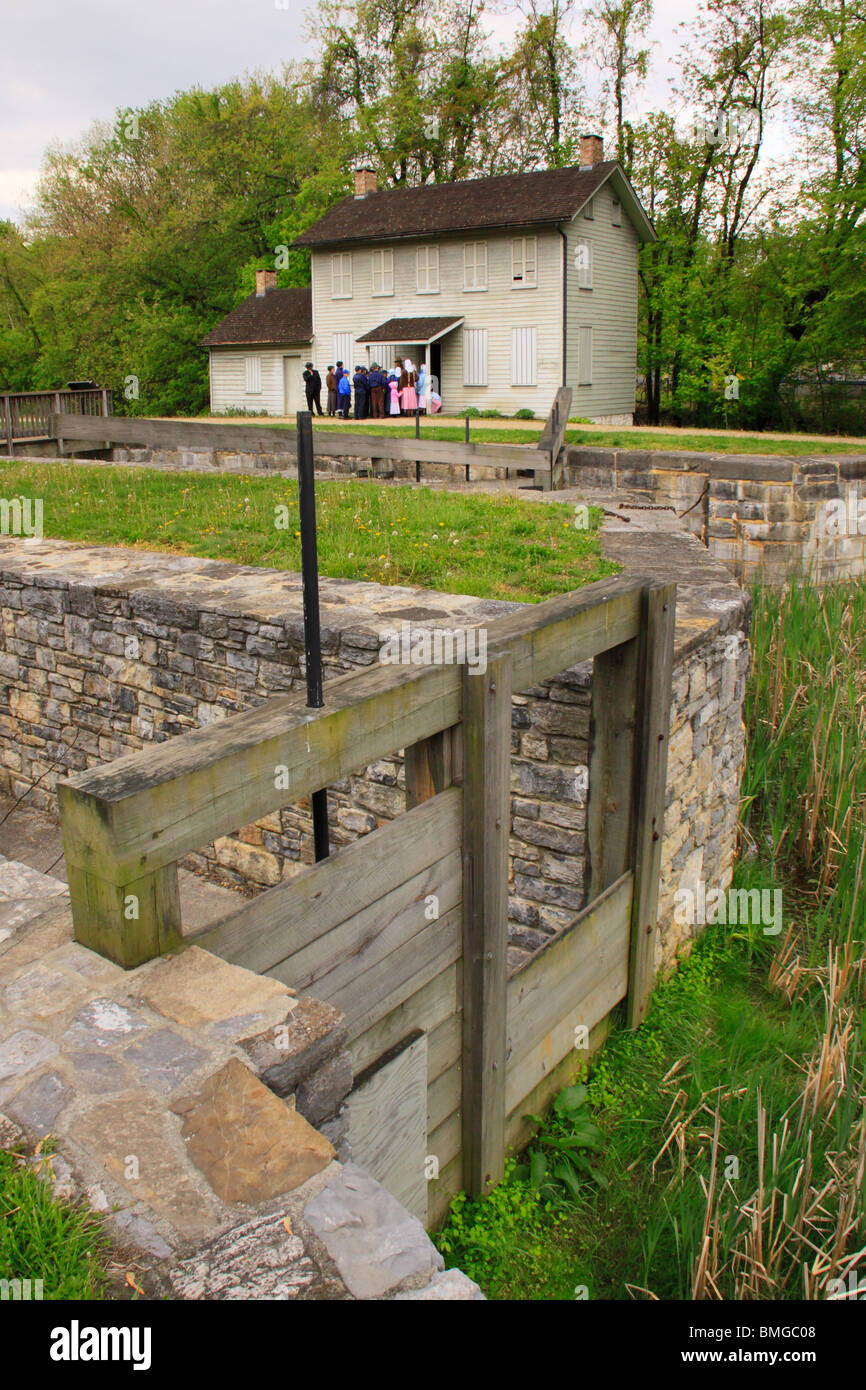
293 385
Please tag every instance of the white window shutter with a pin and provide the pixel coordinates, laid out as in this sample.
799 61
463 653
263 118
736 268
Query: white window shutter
523 349
344 350
583 262
475 357
254 375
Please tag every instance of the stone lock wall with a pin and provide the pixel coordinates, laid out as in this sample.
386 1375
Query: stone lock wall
104 651
779 517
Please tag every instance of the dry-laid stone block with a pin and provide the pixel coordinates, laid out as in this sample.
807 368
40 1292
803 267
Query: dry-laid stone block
449 1285
371 1238
259 1259
164 1059
287 1055
200 990
23 1051
138 1126
247 1142
40 1102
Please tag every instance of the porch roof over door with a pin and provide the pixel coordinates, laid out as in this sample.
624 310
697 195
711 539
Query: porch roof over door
420 330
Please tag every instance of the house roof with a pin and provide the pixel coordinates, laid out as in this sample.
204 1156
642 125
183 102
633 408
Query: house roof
277 316
411 330
508 200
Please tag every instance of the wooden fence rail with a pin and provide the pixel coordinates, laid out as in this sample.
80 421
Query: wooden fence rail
355 929
270 439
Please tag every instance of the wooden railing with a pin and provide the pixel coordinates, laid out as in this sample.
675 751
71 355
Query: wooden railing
29 415
354 928
270 439
552 438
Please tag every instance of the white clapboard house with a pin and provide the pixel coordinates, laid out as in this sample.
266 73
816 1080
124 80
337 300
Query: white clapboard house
506 287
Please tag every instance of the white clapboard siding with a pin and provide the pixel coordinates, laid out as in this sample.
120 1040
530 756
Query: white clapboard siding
475 357
497 309
584 355
609 308
523 356
231 375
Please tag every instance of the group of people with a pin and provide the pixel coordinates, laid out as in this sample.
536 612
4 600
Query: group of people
377 393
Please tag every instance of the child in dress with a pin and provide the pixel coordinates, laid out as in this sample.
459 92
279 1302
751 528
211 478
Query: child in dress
394 391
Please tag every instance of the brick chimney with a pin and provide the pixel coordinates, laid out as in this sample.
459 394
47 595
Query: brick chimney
591 150
265 280
365 182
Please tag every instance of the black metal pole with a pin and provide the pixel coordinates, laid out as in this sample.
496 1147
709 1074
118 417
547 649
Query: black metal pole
467 441
312 626
417 436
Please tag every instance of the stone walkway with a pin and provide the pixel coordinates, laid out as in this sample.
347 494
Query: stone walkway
146 1081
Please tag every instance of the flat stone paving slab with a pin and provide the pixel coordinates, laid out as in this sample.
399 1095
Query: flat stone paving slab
249 1144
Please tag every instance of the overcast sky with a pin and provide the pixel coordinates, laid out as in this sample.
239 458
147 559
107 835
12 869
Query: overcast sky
64 65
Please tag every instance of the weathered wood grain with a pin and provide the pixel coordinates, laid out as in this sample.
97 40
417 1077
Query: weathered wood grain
283 921
486 823
388 1123
552 984
653 719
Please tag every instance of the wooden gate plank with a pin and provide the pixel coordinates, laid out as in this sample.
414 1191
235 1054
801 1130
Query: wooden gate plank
486 824
654 710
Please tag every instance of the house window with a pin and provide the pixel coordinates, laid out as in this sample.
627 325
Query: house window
588 211
475 267
254 376
475 357
344 350
583 262
341 275
523 356
616 213
524 261
427 264
383 272
584 357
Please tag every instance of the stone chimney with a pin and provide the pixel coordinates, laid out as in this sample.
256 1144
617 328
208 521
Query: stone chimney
591 150
365 182
265 280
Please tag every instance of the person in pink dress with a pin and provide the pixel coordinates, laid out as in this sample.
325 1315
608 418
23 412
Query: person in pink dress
394 403
408 395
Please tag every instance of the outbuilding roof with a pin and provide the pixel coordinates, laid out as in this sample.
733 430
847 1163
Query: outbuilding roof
277 316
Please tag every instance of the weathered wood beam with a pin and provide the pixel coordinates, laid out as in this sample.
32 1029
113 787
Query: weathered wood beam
486 823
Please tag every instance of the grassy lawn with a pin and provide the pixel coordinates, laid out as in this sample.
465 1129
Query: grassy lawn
752 1051
629 438
43 1239
493 547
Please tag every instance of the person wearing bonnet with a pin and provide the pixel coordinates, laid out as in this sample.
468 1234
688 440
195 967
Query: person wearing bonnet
408 395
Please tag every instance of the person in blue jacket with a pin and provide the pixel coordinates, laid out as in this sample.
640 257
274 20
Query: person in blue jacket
344 394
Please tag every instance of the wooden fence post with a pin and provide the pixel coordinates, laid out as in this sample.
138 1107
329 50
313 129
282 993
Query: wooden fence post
7 414
429 767
129 923
653 724
486 823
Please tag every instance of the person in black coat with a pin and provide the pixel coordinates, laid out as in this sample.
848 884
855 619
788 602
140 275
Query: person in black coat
361 385
313 388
